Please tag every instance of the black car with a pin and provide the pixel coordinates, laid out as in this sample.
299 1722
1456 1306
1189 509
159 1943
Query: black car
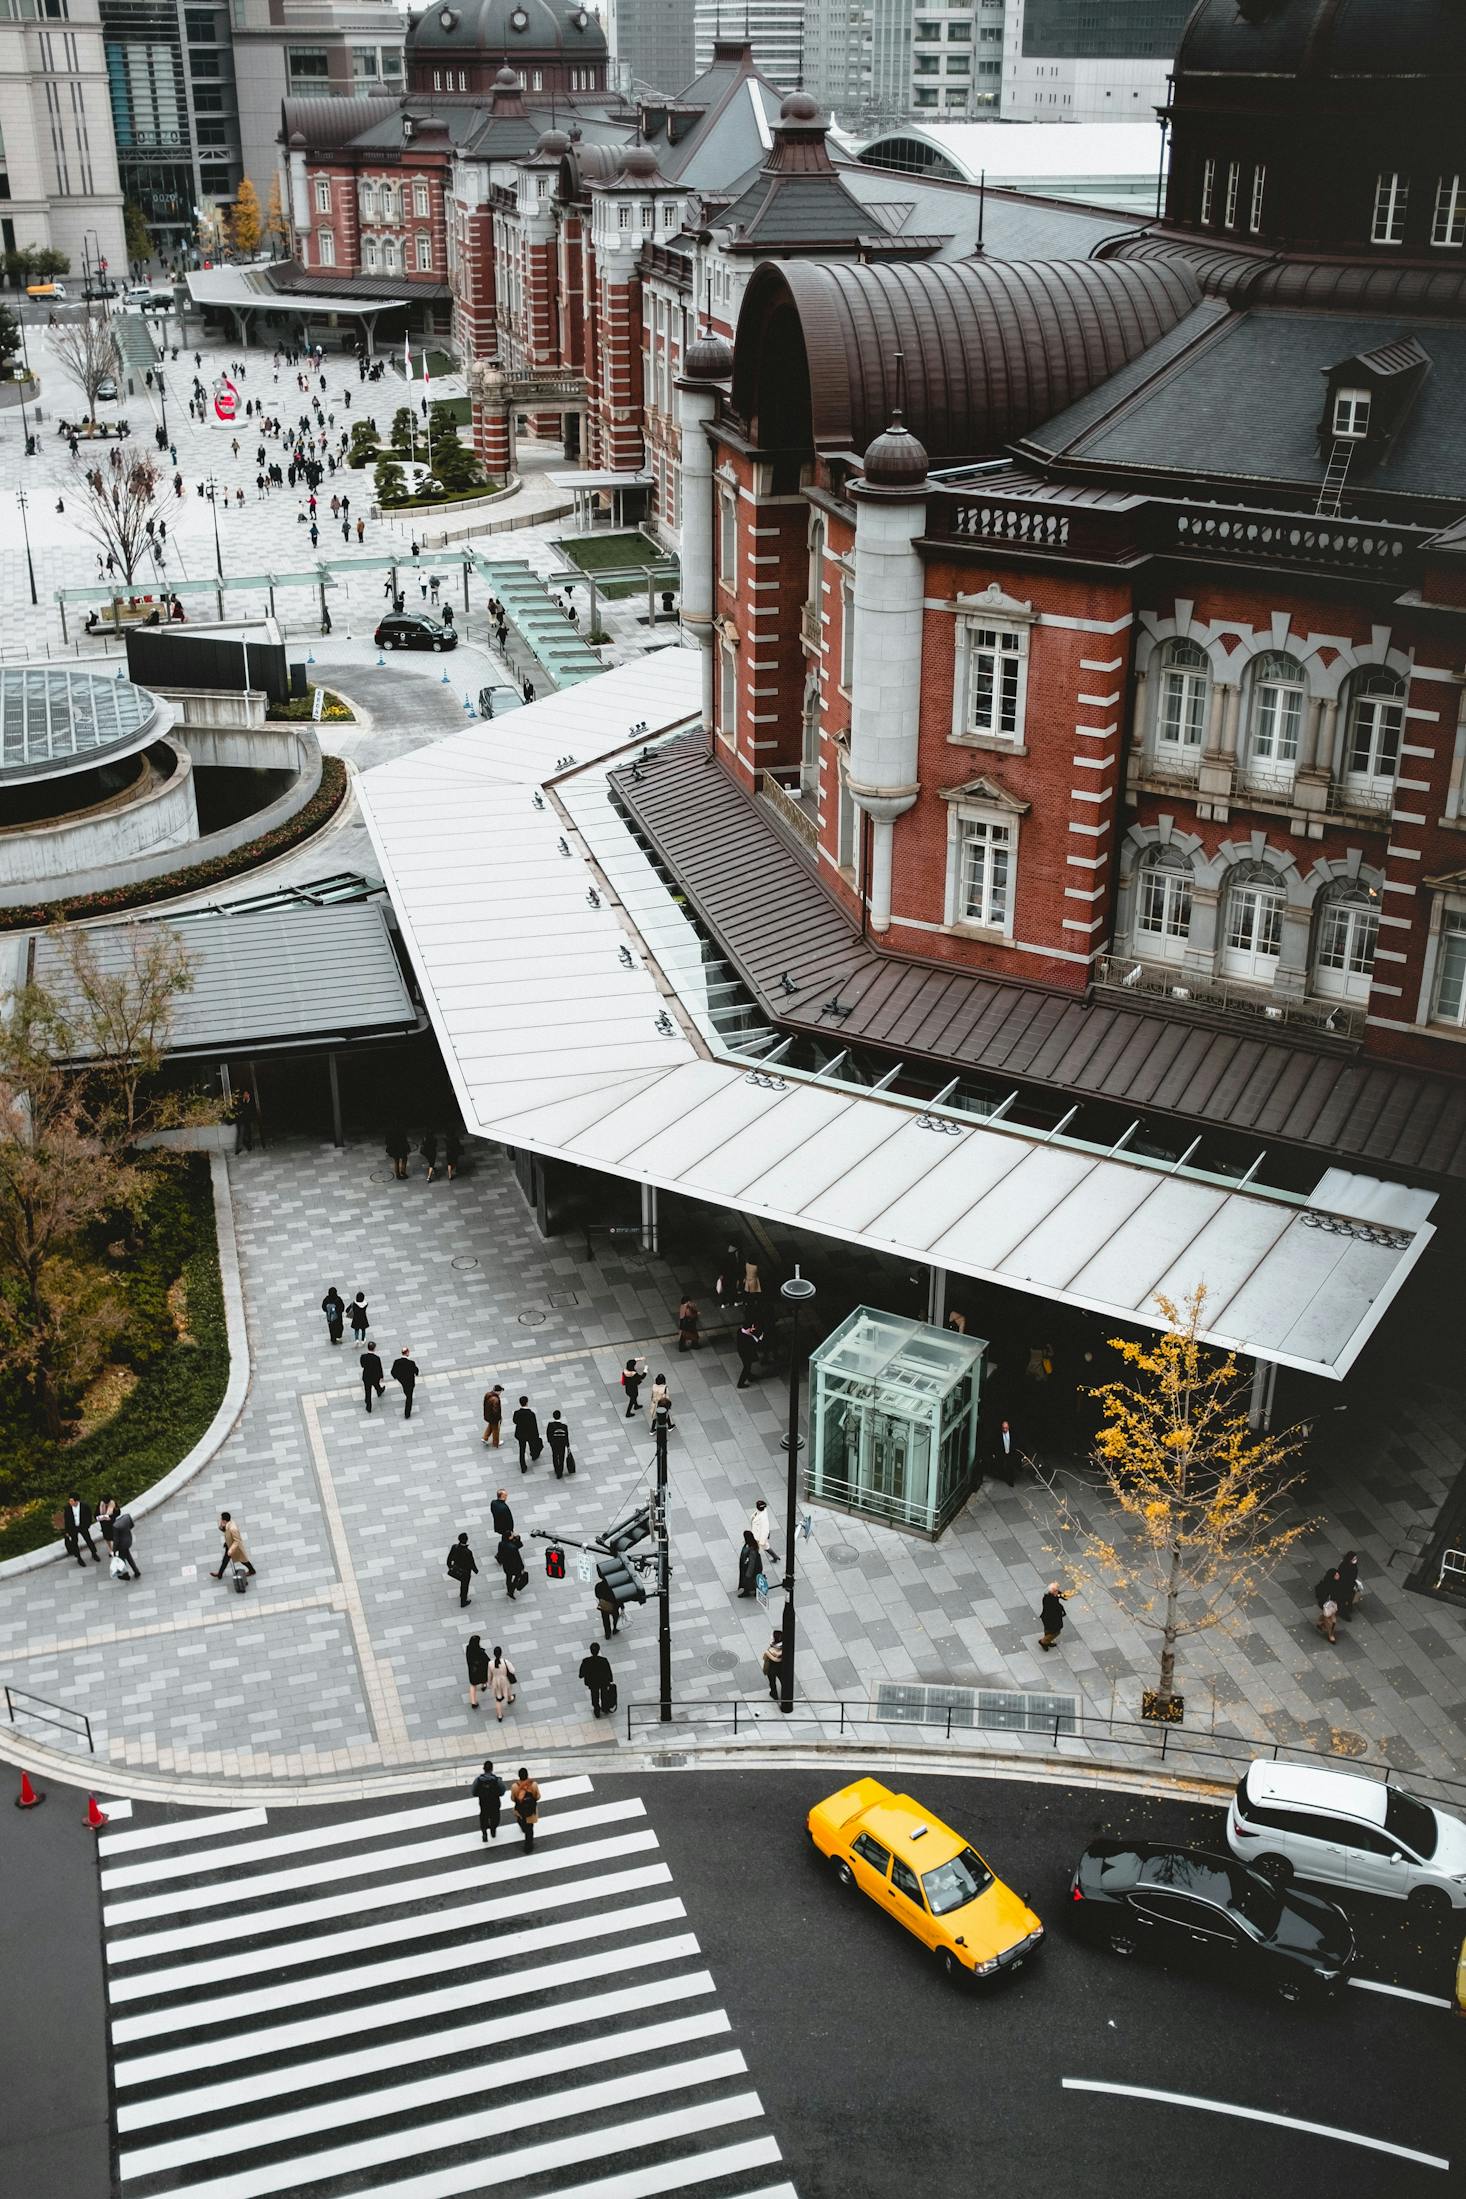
414 630
497 701
1184 1905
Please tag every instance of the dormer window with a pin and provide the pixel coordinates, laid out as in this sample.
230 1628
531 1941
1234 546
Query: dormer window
1391 197
1449 225
1208 189
1351 414
1234 179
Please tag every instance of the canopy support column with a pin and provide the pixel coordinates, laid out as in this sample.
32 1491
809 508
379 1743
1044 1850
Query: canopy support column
936 1296
1260 1403
649 1223
332 1072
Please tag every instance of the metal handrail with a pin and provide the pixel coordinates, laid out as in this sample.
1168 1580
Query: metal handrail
40 1715
1084 1729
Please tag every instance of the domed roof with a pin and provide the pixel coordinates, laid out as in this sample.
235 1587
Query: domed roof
895 460
708 358
507 81
496 29
554 142
799 107
1325 39
640 161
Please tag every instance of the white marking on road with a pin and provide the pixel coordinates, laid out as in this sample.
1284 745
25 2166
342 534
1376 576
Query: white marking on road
330 1946
1401 1992
290 1916
116 1807
491 2123
212 2099
267 2000
160 1869
642 2182
1255 2115
331 1870
198 1828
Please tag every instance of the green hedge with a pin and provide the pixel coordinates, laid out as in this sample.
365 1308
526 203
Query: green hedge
180 1384
322 806
442 496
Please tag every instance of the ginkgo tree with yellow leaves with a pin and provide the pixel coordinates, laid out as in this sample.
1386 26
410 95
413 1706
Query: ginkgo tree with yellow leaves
1199 1492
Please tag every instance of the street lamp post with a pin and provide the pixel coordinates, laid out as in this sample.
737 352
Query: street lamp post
162 403
21 499
660 1420
211 490
796 1294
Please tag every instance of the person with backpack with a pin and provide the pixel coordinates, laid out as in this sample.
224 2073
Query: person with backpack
462 1565
524 1798
488 1791
333 1306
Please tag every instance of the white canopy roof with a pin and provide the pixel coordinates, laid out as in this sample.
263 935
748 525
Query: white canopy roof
515 916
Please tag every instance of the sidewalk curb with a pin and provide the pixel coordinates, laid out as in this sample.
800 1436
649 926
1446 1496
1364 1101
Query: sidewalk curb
98 1775
236 1389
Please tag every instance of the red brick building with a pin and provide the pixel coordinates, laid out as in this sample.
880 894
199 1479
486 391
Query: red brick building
1095 626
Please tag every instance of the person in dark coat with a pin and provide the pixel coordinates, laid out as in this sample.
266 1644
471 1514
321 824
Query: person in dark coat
371 1374
429 1151
525 1798
489 1791
404 1371
357 1315
1005 1452
477 1659
596 1678
398 1151
631 1379
750 1344
510 1555
526 1434
608 1607
689 1333
557 1435
121 1541
1347 1572
452 1152
493 1413
333 1306
500 1514
1051 1613
462 1565
76 1529
750 1564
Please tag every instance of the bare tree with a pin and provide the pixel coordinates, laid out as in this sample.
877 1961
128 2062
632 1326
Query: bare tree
88 351
120 500
113 1017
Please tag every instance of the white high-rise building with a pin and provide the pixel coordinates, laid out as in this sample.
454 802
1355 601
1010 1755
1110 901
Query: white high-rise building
878 61
58 160
774 28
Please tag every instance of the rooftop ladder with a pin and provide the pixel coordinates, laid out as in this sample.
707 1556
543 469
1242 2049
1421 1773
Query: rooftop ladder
1331 493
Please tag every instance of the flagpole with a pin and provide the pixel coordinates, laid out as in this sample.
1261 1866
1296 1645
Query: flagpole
429 403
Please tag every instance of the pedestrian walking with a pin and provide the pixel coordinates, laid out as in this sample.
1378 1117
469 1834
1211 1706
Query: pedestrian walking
1003 1452
750 1564
462 1565
76 1529
1051 1615
661 1400
772 1662
429 1152
360 529
761 1526
689 1337
503 1679
1326 1596
404 1372
1347 1573
358 1316
510 1558
398 1151
333 1306
524 1798
106 1517
500 1514
631 1381
750 1344
527 1435
597 1680
494 1415
608 1607
557 1435
371 1374
489 1791
477 1659
452 1152
121 1541
752 1282
244 1122
234 1550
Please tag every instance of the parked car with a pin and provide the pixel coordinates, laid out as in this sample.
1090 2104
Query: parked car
414 630
1344 1830
927 1877
107 390
1208 1912
493 702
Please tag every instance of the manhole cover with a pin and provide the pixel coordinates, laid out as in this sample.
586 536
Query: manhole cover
380 1175
722 1660
465 1260
531 1320
840 1553
561 1298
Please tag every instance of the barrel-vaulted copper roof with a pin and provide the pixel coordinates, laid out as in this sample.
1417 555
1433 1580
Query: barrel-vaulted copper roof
990 347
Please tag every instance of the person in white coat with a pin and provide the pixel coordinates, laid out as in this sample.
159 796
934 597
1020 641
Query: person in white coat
761 1527
502 1682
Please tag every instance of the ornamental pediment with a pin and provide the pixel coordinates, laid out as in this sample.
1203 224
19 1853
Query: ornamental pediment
992 599
986 793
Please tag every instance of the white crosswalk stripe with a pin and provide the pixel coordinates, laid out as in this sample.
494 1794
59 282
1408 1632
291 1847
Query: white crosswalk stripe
468 2036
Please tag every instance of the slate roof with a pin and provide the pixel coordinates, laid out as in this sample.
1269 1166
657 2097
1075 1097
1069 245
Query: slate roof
734 132
768 909
1237 396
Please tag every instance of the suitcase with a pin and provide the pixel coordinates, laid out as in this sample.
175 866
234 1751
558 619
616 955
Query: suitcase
241 1580
611 1696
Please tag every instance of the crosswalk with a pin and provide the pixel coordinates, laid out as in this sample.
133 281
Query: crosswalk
381 2004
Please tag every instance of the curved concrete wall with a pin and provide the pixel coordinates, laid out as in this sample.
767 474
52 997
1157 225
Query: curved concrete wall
42 858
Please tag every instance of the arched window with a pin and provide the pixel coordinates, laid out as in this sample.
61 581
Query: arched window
1345 935
1182 698
816 573
389 255
1252 939
1276 722
1372 730
1163 904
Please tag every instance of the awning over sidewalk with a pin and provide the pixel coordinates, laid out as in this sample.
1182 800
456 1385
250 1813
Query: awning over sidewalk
520 914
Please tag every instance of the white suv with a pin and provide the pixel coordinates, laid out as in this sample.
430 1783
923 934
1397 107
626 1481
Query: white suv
1348 1831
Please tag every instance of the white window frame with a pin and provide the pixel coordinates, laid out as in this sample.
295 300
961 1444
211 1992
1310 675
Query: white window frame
325 248
1234 185
424 253
847 635
728 537
1275 720
420 200
1253 964
390 257
1449 973
1448 224
1180 732
1167 886
1373 731
728 692
1352 408
1259 192
323 194
972 825
370 252
1391 199
990 692
1353 916
1208 189
368 201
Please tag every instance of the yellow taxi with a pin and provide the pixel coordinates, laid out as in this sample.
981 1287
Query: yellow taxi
927 1877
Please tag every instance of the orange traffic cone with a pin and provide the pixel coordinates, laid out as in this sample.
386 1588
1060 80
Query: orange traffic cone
28 1799
96 1818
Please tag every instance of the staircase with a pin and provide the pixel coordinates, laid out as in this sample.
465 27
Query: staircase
1331 493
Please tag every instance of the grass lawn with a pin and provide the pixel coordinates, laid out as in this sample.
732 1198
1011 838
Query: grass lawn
615 553
169 1386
